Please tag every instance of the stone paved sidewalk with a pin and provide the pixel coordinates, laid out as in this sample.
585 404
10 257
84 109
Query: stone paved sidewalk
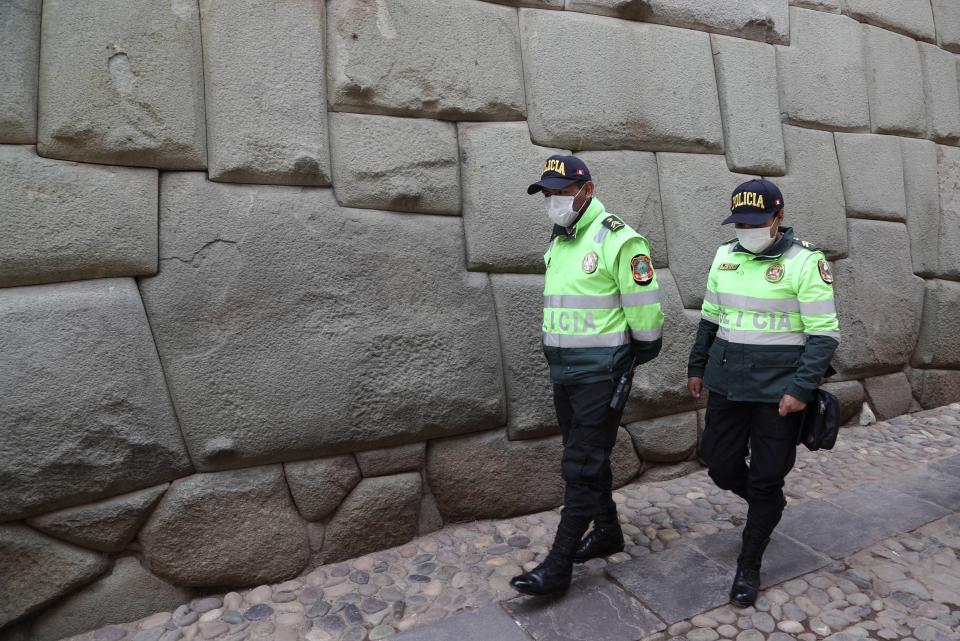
868 549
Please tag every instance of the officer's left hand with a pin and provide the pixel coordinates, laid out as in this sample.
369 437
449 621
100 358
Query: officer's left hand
789 405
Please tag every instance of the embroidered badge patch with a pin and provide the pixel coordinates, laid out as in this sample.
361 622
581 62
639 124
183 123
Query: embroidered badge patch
775 273
642 268
613 223
590 262
825 272
728 266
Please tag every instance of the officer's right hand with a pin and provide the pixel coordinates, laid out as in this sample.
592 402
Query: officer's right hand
695 386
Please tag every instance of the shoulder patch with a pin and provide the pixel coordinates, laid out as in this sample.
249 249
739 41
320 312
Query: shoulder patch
613 223
826 274
642 268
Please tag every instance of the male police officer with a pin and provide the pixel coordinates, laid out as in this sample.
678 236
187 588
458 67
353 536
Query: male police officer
601 318
767 334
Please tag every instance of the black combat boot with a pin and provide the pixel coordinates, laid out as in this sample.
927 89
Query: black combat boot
746 583
605 539
554 574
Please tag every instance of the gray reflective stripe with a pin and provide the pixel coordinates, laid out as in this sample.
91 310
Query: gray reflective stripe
834 335
748 337
613 301
651 297
712 319
793 252
601 235
711 297
813 308
759 304
592 340
646 334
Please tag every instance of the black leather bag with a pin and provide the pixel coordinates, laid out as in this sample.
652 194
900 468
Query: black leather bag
821 421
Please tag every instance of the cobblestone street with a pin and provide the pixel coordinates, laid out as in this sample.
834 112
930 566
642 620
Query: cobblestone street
868 549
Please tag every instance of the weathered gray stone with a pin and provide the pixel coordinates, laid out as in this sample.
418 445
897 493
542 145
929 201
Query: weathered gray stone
530 411
319 486
20 43
655 472
483 624
875 342
784 560
913 18
233 528
265 91
16 632
813 191
501 223
948 161
894 83
430 519
921 187
315 535
401 164
486 475
675 106
394 57
941 93
392 460
805 522
67 221
129 592
871 170
764 20
536 4
822 73
935 388
873 501
890 395
399 361
67 442
37 570
628 184
623 459
938 345
107 525
830 6
946 14
747 82
380 512
667 439
122 84
850 394
688 183
660 386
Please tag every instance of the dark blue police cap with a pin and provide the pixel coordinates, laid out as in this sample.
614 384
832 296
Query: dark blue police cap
559 172
754 202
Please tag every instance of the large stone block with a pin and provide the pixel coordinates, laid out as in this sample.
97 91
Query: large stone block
501 222
934 388
890 394
872 341
400 164
747 81
830 6
265 91
235 528
946 14
894 83
948 162
37 570
122 83
381 512
813 191
624 461
938 345
695 183
850 394
67 441
340 329
488 476
922 190
628 184
536 4
871 169
20 43
822 73
941 93
129 592
667 439
764 20
530 411
319 486
910 17
392 460
397 57
66 221
671 107
107 525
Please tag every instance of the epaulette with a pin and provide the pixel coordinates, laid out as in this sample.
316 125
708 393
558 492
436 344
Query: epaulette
806 245
613 223
728 242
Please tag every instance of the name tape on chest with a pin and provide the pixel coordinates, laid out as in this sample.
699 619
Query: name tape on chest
728 266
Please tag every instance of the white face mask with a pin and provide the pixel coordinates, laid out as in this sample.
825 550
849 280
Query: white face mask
757 239
560 209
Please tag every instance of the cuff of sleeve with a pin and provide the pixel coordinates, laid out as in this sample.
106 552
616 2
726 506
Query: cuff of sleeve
694 371
799 393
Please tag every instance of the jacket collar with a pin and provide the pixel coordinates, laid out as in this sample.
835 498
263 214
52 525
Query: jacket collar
777 250
590 214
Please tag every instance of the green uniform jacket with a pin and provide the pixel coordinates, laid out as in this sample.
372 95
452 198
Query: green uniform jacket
768 323
601 300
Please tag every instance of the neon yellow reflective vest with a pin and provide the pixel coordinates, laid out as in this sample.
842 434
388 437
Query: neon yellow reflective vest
601 300
769 322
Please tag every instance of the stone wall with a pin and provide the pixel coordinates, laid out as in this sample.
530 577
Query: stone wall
270 280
